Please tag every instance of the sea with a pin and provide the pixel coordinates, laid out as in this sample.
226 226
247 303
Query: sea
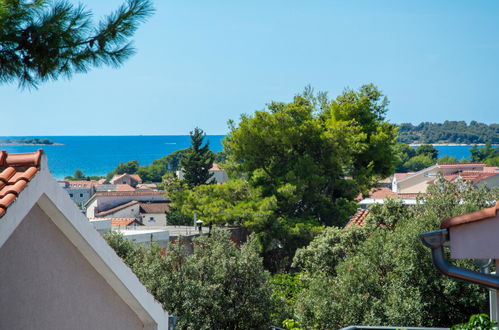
98 155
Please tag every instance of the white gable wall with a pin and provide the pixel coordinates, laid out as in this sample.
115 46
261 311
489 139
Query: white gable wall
47 284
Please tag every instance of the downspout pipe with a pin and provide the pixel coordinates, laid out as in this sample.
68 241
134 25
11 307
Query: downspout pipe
435 241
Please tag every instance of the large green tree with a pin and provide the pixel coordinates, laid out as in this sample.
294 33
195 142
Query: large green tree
315 155
42 40
197 160
219 286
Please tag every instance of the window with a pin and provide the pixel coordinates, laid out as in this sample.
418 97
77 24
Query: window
81 195
151 219
124 182
71 195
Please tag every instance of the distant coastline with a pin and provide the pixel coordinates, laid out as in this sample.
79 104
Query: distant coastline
28 142
20 144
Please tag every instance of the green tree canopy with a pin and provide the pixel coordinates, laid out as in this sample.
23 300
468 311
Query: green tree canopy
197 160
487 154
219 286
388 278
427 150
43 40
314 155
78 175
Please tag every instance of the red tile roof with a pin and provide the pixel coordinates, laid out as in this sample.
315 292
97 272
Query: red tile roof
358 219
115 209
492 169
81 184
484 214
123 222
128 193
16 171
136 177
476 176
381 193
154 207
450 165
399 176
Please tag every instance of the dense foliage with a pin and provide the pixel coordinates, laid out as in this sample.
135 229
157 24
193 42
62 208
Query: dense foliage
79 175
219 286
415 159
43 40
477 322
487 154
198 160
449 132
153 172
388 277
300 165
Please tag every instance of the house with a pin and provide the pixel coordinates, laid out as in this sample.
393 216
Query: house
407 186
219 175
125 210
418 182
125 178
107 200
79 191
57 271
378 195
154 213
113 187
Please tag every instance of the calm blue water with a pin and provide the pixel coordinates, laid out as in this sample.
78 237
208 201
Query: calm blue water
98 155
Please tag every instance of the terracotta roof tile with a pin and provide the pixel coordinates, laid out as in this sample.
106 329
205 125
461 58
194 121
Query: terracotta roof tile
116 208
381 193
399 176
119 222
358 219
123 222
154 207
128 193
136 177
484 214
81 184
7 174
450 165
16 170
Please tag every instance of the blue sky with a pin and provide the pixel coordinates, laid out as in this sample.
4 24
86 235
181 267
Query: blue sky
200 63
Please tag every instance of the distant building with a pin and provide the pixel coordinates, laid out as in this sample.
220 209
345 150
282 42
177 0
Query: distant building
154 213
219 175
114 201
79 191
407 186
418 182
125 178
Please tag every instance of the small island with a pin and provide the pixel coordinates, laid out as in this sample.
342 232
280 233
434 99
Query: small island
28 142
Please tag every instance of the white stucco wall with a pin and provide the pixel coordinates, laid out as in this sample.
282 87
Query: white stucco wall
159 219
131 211
47 284
102 203
475 240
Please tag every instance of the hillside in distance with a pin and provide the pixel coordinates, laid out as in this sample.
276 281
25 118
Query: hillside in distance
458 132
